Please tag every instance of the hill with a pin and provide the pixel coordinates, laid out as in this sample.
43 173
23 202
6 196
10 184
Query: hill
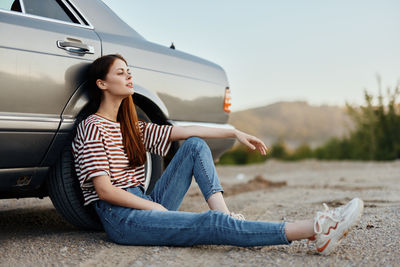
294 122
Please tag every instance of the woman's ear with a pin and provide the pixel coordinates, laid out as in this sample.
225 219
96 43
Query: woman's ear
101 84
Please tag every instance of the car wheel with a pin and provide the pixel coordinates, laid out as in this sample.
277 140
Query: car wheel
66 195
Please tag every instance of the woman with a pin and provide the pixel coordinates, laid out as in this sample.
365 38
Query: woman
109 151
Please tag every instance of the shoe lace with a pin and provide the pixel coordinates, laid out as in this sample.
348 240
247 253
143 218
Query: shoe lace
237 216
322 215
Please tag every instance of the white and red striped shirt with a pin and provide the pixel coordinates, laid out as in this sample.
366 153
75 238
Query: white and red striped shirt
98 150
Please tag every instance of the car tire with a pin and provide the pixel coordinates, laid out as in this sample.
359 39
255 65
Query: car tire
66 195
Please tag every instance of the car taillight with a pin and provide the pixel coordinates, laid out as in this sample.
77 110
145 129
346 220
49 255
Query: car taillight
227 100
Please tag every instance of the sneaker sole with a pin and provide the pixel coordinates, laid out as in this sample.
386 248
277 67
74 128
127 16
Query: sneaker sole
336 240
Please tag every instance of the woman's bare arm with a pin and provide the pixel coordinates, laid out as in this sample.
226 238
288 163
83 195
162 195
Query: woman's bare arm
184 132
117 196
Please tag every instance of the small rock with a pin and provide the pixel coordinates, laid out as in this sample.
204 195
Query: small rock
240 176
138 263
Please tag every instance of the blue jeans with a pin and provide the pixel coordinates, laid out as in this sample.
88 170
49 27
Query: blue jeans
177 228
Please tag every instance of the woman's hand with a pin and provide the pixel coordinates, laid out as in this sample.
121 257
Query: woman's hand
117 196
159 207
251 141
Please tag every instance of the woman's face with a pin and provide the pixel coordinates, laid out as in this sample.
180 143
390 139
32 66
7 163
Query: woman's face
118 80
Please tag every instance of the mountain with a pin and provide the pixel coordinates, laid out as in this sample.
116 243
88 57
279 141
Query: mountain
293 122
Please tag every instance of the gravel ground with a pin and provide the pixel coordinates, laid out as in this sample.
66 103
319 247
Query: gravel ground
32 233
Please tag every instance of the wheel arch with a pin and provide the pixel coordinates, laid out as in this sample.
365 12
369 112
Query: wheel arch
152 105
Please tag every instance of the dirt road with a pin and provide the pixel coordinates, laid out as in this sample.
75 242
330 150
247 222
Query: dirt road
33 234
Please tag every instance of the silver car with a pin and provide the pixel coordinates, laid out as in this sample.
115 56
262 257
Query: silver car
45 49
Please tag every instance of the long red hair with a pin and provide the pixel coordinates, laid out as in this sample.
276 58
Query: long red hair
127 117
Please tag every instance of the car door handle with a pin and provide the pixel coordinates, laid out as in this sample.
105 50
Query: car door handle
74 47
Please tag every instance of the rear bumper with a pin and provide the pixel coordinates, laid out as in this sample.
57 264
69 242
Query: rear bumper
217 146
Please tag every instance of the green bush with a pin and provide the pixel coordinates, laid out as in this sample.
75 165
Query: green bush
302 152
377 132
241 155
279 150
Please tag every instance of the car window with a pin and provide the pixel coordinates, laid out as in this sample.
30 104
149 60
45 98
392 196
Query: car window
12 5
53 9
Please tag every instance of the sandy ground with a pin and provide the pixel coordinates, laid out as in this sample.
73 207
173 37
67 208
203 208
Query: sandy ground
32 233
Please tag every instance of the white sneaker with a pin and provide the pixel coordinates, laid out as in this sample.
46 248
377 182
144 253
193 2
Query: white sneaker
237 216
331 226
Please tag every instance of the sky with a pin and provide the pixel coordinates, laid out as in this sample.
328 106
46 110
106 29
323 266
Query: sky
322 52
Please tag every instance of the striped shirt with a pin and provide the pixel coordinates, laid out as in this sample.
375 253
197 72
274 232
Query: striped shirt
98 150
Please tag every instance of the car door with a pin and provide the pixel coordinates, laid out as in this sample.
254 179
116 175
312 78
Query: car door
45 47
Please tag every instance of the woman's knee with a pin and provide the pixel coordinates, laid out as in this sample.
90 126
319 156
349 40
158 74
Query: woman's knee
196 143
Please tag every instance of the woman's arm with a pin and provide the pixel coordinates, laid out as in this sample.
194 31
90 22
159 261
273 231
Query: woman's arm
117 196
184 132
